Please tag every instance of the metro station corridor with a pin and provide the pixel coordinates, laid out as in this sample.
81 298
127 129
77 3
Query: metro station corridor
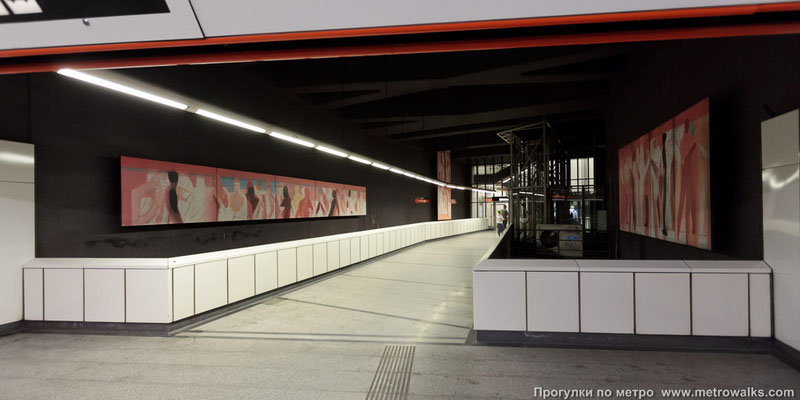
326 340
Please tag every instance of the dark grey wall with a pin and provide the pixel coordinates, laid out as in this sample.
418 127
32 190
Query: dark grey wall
740 75
80 131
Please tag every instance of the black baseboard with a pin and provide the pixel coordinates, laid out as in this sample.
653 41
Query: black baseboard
10 328
626 341
786 353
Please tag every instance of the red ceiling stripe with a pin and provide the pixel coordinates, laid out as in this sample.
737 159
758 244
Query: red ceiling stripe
415 29
415 48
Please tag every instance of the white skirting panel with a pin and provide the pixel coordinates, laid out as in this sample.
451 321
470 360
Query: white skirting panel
662 304
305 263
266 272
105 295
210 285
320 259
241 278
552 303
148 295
183 292
34 294
287 267
63 295
168 290
333 255
652 297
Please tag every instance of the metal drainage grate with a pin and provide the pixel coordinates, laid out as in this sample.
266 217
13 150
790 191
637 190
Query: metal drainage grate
393 375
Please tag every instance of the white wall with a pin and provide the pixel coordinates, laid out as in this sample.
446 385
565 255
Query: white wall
16 225
780 161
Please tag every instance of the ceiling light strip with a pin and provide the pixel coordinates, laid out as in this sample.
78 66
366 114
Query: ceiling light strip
121 88
230 121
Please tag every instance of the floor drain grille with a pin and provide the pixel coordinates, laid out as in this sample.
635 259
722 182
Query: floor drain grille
393 375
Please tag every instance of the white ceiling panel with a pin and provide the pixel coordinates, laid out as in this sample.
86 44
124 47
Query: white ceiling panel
178 23
241 17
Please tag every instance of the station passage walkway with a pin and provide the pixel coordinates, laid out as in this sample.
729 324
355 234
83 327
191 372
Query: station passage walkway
396 324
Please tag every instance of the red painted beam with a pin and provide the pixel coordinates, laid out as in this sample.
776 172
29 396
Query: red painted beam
782 28
701 12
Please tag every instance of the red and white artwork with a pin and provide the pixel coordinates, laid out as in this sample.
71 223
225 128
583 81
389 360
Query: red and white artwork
157 192
295 198
443 209
664 187
243 196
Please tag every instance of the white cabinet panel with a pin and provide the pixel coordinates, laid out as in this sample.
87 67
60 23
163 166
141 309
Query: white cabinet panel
344 253
148 296
182 292
320 259
719 305
373 246
780 140
241 278
305 263
34 294
266 272
552 301
210 285
760 306
63 295
104 295
287 267
499 301
355 250
387 242
380 241
663 304
606 302
333 256
364 247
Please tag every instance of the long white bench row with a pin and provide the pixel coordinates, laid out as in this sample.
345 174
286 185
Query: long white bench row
164 290
704 298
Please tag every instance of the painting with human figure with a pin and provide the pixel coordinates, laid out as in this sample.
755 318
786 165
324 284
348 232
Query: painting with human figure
244 196
664 186
294 198
158 192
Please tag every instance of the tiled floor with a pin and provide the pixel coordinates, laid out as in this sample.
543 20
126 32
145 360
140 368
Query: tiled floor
325 341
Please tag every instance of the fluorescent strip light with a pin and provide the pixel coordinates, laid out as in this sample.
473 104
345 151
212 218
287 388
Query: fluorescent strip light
231 121
121 88
331 151
361 160
410 175
438 183
507 179
460 188
381 166
291 139
396 171
452 187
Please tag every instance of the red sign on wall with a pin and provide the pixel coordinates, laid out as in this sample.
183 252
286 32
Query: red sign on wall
421 200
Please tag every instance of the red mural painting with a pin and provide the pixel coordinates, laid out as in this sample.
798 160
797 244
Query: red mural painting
664 189
243 196
158 192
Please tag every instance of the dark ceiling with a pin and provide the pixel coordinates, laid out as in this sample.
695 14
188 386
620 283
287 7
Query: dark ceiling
447 101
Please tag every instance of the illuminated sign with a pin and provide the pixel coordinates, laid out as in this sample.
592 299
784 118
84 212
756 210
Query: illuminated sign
48 10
